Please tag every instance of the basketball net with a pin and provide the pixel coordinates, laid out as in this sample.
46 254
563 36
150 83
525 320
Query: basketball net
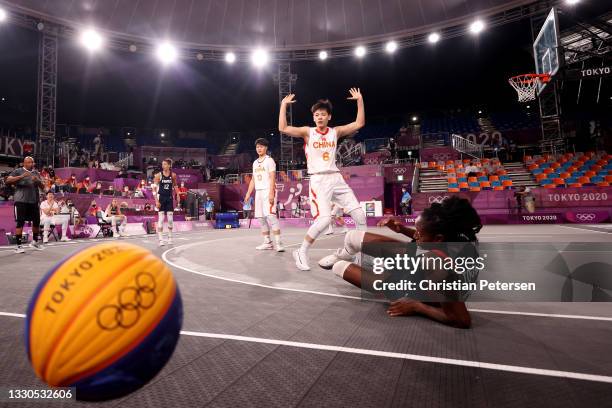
526 85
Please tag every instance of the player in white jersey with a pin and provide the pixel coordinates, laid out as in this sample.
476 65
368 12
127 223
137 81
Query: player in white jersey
326 182
264 184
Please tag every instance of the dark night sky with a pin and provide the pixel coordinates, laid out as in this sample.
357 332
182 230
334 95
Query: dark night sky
123 89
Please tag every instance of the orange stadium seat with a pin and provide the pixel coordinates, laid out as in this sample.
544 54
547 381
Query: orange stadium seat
603 184
507 183
464 186
559 181
548 170
493 178
550 186
498 188
453 190
485 185
609 178
475 189
590 174
575 185
555 165
565 175
472 179
584 180
461 175
452 180
532 167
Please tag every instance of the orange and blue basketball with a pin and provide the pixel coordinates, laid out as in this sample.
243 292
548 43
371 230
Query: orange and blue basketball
105 320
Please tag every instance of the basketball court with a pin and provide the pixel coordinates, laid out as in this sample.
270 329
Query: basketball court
257 332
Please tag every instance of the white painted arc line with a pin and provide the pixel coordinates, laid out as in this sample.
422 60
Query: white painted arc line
404 356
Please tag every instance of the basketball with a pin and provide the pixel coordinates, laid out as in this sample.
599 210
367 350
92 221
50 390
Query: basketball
104 320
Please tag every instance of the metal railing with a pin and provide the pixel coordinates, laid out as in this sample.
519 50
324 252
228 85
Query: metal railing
463 145
125 159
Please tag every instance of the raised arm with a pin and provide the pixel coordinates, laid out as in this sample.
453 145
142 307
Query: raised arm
301 132
351 128
176 188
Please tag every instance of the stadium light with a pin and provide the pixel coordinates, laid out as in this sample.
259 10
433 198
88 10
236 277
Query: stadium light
260 58
2 15
230 57
162 134
360 51
91 40
572 2
477 26
415 118
433 38
391 47
166 53
323 55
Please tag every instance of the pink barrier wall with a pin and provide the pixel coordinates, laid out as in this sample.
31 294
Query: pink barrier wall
544 198
81 173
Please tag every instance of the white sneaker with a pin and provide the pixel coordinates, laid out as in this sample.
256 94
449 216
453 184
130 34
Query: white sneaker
169 241
115 234
45 240
19 249
343 230
162 242
65 239
280 247
330 231
36 245
329 261
264 246
301 260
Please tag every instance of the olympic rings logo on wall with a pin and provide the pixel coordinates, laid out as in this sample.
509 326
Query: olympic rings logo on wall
130 301
585 217
437 199
399 170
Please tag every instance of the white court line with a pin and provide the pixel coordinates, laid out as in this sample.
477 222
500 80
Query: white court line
314 292
582 229
404 356
502 312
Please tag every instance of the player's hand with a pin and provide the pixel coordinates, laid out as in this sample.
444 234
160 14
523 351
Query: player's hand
393 225
355 94
157 204
403 307
288 99
246 199
271 200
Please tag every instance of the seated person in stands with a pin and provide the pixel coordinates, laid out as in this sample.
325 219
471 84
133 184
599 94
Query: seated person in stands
471 170
49 215
126 192
453 220
110 191
97 189
122 173
69 211
138 193
148 207
93 208
84 186
72 183
116 219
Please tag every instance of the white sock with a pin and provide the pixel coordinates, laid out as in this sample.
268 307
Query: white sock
277 239
169 234
305 246
160 235
267 239
340 267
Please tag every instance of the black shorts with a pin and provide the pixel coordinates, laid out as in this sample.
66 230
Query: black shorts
166 204
27 212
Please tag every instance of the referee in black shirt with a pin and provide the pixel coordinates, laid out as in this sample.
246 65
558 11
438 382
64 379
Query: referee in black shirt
27 182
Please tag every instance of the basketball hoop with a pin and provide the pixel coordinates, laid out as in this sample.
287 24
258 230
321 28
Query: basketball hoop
526 84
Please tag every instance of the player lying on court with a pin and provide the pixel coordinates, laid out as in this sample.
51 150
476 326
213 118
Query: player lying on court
454 220
326 183
264 184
